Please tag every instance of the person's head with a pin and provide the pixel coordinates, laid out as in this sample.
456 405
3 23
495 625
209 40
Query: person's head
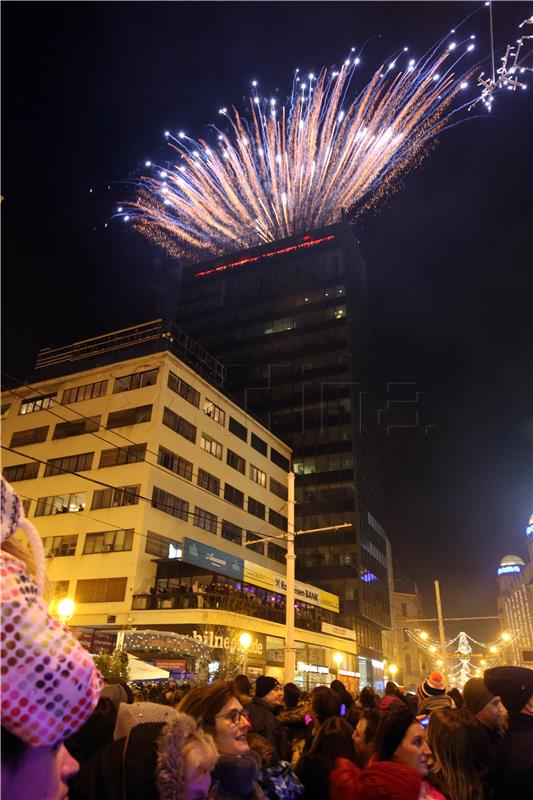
368 697
391 687
269 690
456 696
333 740
121 682
242 686
50 684
381 781
325 703
433 686
186 756
220 714
291 695
365 732
488 708
515 687
401 738
452 754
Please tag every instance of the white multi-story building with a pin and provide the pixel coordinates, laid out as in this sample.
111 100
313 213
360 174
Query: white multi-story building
162 504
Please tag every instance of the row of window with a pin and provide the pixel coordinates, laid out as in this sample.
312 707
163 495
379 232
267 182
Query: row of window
139 414
116 541
177 507
80 462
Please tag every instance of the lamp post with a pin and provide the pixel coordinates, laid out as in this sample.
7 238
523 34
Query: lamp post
245 640
290 650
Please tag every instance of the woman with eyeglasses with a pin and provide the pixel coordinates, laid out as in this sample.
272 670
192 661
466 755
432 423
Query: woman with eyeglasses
220 713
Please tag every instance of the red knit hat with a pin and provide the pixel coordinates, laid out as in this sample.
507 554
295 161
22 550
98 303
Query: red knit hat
384 780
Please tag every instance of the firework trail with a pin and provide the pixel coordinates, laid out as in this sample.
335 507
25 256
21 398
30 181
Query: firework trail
283 170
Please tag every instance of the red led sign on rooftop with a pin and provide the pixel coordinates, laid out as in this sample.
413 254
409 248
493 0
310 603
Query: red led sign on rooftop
308 242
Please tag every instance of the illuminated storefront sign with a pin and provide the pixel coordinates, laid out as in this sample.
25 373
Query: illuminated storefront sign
301 666
510 568
260 576
308 242
348 674
336 630
212 559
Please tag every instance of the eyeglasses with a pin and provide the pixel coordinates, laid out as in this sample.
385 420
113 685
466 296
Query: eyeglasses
233 716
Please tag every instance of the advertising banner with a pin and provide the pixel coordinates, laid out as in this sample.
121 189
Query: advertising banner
260 576
212 559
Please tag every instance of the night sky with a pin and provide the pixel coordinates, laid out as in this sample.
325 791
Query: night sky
89 89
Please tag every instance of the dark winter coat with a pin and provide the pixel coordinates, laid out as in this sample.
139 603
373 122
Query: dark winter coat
266 724
235 778
514 765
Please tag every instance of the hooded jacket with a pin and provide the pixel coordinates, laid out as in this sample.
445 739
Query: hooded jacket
266 724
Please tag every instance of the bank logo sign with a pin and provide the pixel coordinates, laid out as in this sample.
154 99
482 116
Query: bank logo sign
212 559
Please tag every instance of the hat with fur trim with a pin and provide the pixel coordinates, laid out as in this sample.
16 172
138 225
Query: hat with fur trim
513 684
171 761
50 684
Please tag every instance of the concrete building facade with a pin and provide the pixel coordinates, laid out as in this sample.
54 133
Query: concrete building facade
163 504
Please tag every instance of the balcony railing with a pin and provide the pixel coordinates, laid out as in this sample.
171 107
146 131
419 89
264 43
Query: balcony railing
310 618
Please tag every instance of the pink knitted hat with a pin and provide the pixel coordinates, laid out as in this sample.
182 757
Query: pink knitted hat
50 684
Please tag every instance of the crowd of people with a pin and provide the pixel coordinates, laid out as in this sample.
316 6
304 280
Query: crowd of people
68 734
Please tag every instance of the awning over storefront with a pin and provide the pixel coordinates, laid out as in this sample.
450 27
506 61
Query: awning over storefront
143 671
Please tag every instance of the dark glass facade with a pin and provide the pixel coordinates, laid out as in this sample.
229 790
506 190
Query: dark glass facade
289 322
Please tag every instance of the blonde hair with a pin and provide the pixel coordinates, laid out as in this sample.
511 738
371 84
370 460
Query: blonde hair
453 758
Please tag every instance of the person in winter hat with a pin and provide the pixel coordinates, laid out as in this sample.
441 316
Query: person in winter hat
155 761
50 684
432 686
487 708
514 763
263 711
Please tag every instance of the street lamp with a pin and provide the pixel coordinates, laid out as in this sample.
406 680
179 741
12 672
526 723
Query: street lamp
245 640
65 609
493 649
423 635
393 669
338 658
506 636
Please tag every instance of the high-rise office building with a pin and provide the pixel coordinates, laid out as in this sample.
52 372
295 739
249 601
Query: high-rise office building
289 320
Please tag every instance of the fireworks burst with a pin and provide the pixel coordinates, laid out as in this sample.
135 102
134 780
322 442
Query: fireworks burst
283 170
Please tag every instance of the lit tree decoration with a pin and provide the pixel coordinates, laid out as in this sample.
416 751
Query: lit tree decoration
286 169
507 76
460 666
